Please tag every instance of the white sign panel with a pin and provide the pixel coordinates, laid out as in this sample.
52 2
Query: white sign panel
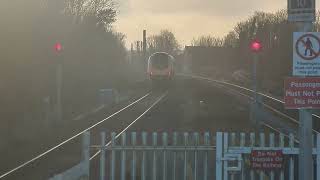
306 50
301 10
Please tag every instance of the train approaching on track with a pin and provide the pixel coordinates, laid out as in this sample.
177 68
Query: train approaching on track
161 67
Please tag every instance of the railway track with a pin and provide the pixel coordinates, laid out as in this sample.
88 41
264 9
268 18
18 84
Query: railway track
67 153
274 105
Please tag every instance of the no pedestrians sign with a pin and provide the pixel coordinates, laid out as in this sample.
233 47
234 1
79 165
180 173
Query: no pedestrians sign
306 51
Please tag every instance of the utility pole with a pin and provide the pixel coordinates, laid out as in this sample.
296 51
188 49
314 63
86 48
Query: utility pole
144 49
144 43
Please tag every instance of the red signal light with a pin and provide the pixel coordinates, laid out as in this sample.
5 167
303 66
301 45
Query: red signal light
58 47
256 45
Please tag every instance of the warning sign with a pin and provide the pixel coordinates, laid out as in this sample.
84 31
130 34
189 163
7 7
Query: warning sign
302 93
266 160
306 51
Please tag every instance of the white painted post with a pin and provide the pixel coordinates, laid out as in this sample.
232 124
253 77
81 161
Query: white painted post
233 142
102 156
113 156
133 166
242 144
282 146
195 173
143 168
86 146
154 171
262 144
272 144
225 150
165 145
291 165
205 166
175 142
252 144
318 156
219 149
185 160
123 156
86 151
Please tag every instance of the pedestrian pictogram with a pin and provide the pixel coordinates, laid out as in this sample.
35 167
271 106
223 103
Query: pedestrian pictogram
306 54
306 46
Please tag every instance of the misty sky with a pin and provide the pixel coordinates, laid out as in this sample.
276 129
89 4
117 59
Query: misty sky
187 18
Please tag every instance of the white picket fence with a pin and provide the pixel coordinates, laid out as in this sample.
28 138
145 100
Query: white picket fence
189 156
80 171
233 151
153 156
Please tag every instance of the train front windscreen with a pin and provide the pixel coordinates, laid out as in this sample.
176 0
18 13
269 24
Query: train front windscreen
160 61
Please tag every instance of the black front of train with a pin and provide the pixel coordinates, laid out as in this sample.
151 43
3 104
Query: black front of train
161 69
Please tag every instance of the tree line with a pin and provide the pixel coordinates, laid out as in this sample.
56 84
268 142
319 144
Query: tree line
93 58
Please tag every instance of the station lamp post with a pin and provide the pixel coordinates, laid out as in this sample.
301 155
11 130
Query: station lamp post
256 48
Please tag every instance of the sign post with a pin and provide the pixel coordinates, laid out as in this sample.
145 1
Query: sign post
301 10
305 54
305 63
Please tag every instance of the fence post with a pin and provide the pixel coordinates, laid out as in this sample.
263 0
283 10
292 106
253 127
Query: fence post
185 159
143 168
282 146
123 156
86 146
102 156
219 149
291 165
252 145
318 156
86 151
262 144
233 143
154 166
165 144
175 142
272 144
133 143
113 156
225 149
242 144
205 166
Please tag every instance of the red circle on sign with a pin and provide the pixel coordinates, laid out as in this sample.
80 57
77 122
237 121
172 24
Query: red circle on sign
316 54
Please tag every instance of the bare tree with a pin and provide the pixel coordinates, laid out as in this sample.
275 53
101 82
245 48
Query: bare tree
207 41
103 11
164 41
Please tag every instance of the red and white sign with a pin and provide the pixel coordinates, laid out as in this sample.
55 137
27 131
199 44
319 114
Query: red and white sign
266 160
302 93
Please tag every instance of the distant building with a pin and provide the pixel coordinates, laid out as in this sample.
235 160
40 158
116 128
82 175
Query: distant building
212 60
